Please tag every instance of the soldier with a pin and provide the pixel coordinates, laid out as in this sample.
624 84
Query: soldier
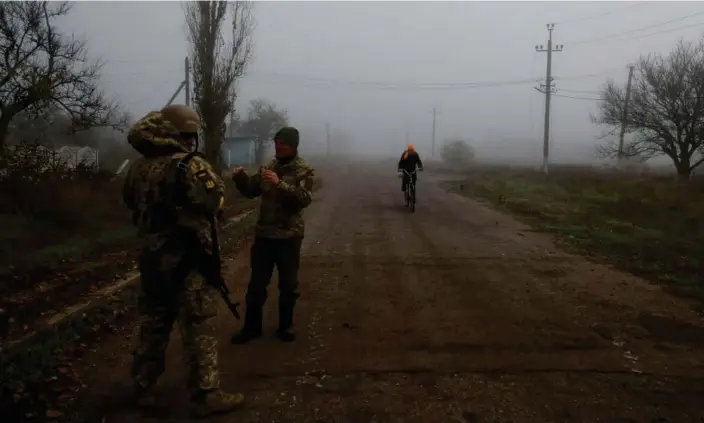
173 194
285 187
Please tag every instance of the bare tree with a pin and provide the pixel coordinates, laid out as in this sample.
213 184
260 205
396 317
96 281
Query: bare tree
666 112
219 60
41 68
263 120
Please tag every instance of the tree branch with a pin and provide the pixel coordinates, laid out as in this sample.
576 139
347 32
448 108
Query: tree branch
41 67
667 107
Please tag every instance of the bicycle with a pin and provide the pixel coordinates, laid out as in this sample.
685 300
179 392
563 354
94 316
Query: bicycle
409 193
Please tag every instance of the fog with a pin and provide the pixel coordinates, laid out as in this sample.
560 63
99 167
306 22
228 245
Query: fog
375 70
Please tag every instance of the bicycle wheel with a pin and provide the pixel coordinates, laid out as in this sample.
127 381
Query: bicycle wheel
406 196
413 198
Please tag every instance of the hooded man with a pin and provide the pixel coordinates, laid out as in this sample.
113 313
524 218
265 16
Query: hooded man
285 186
173 195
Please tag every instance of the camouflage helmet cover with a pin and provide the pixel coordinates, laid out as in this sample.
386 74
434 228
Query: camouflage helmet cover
157 134
182 117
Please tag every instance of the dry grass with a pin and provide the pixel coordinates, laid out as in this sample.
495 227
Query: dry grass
46 224
649 225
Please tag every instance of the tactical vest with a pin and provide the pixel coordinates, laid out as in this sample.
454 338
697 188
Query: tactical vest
164 213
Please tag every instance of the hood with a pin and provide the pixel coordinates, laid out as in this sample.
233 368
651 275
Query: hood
408 153
155 136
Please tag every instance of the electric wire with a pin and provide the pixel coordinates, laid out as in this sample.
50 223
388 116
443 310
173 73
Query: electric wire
602 14
619 34
326 82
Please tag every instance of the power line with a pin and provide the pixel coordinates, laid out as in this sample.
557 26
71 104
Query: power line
577 98
580 91
137 73
604 99
662 32
475 84
317 81
589 75
681 18
387 84
618 34
601 14
383 84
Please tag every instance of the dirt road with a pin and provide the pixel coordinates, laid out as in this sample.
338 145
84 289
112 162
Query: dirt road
456 313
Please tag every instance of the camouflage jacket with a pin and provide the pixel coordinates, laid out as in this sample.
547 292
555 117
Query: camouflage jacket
148 189
281 210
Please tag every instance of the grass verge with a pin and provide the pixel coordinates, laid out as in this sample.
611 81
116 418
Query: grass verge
647 225
53 266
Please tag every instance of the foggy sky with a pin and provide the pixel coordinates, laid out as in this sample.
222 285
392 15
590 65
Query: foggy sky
337 62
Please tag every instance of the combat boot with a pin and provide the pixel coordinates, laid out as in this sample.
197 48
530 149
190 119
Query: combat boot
285 332
216 402
252 328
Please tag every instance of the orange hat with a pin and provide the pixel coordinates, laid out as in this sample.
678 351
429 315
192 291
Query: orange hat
411 147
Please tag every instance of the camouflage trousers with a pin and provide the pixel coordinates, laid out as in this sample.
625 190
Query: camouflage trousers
193 305
265 254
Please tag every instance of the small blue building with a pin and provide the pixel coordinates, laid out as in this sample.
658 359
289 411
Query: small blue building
238 151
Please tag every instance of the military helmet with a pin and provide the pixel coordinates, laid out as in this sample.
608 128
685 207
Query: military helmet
183 118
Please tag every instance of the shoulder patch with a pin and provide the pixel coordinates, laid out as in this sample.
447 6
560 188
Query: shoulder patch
204 177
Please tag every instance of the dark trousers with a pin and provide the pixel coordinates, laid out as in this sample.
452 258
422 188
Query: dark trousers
266 253
404 180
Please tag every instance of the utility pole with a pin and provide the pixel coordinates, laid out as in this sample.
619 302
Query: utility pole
547 89
624 116
327 139
184 84
433 147
176 93
187 83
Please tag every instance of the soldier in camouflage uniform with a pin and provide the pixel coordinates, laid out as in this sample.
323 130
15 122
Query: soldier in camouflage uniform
172 202
285 187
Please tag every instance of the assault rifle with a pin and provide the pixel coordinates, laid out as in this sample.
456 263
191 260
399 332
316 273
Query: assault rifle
213 272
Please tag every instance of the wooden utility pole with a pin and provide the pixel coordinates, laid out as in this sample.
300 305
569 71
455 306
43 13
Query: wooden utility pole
433 147
624 115
547 90
327 139
187 83
184 84
176 93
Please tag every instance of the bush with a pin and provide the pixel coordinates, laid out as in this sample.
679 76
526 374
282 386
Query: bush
39 185
50 212
457 154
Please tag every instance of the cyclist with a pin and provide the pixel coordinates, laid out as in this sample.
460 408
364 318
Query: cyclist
410 159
